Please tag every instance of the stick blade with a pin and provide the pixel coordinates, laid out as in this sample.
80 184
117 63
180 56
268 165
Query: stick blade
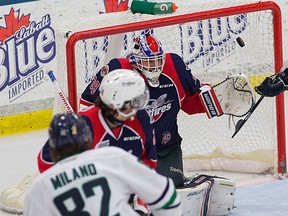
238 126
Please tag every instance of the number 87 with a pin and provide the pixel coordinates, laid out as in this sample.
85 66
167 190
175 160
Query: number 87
79 202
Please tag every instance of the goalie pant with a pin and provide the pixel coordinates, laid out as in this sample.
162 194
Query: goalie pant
207 195
98 182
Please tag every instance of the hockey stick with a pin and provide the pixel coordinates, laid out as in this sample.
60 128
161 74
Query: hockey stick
60 92
241 122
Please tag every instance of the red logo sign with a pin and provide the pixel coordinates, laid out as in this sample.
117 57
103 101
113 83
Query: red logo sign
13 23
115 5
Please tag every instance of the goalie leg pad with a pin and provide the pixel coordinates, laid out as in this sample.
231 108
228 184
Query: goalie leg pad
222 197
193 199
207 195
12 199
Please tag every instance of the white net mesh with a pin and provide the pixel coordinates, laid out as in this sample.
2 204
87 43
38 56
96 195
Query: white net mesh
209 48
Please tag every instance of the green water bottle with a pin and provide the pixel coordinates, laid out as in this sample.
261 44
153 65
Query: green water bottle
140 6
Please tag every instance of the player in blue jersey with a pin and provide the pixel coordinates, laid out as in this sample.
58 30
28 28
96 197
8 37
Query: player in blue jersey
118 119
172 87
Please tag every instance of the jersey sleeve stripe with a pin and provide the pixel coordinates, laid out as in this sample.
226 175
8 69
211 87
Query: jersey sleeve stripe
171 201
163 194
168 199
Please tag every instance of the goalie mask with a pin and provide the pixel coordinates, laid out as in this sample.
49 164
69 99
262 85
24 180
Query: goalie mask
125 91
69 129
149 58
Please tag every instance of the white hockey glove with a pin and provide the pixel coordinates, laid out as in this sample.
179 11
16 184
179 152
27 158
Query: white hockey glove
233 96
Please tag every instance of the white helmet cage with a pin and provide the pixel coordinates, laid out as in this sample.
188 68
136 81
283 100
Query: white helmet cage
149 58
121 88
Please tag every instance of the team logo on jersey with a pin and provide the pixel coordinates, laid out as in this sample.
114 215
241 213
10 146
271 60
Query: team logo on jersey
104 70
166 137
153 80
157 107
94 85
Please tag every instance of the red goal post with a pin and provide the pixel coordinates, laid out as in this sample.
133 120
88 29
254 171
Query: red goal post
117 26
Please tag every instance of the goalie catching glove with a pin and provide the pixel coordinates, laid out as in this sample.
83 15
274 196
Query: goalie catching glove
273 86
234 96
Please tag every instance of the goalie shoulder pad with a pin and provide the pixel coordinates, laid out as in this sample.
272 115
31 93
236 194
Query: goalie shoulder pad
210 102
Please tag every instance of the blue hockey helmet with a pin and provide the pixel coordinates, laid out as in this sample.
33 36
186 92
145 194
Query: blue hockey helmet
68 129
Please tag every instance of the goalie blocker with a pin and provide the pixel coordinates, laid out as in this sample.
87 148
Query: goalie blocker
210 101
233 96
207 195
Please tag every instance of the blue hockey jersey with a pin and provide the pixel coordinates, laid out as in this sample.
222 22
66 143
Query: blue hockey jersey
178 89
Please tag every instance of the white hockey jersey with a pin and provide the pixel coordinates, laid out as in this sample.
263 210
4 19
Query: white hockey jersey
99 182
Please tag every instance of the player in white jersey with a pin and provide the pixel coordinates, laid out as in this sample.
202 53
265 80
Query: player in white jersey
95 182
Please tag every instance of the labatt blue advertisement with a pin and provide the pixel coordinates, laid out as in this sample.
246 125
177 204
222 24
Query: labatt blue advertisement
26 46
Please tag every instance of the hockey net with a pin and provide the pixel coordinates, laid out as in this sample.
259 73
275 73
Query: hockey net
204 35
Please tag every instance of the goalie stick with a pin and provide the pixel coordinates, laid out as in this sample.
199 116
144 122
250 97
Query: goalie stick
60 92
241 122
